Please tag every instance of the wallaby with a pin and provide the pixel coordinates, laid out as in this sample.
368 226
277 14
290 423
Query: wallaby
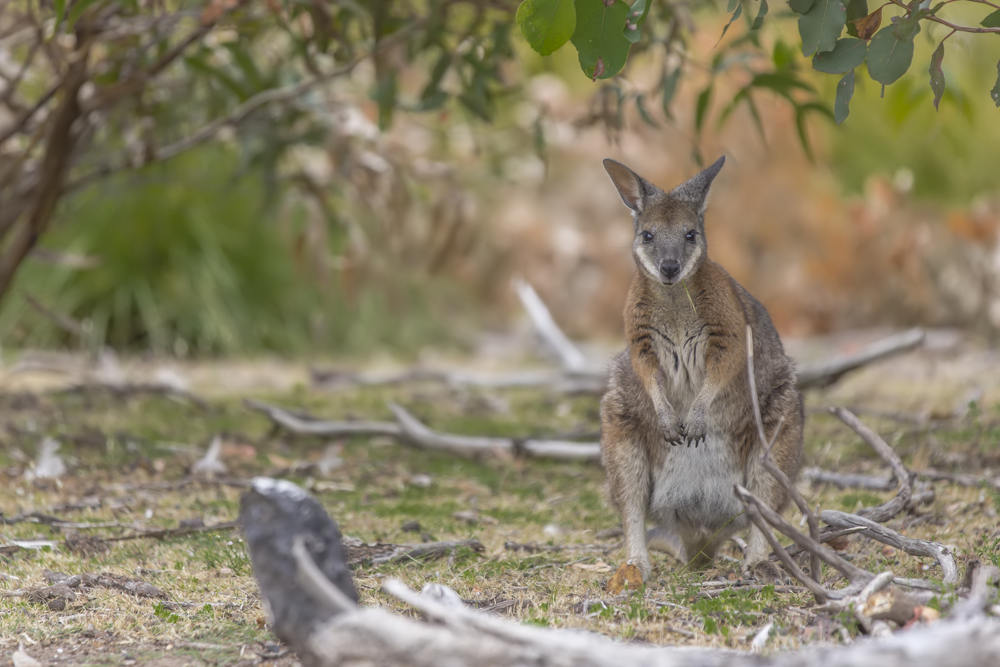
683 381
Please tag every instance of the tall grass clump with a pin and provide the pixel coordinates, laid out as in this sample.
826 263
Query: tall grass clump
195 256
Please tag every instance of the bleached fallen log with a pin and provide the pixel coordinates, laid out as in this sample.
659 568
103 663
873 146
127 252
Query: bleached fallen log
417 434
410 430
880 533
332 429
826 373
298 562
571 358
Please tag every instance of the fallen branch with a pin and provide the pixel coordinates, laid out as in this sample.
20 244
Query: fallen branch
308 426
571 358
410 430
359 553
815 476
164 533
826 373
880 533
961 480
899 503
294 547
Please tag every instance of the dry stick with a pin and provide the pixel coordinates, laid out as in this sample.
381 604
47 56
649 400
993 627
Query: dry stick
162 533
888 536
410 430
815 569
571 358
817 476
819 592
826 373
854 574
888 510
308 426
957 478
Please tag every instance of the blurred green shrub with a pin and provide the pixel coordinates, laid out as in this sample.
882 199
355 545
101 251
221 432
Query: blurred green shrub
951 154
192 257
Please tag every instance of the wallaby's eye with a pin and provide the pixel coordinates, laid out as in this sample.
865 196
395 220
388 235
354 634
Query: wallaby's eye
690 236
647 237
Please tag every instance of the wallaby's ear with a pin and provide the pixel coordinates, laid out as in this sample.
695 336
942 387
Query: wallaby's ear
696 189
630 185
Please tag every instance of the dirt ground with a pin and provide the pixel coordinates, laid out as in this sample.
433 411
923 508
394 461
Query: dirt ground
547 532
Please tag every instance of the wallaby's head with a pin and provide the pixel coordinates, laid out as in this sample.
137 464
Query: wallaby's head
669 241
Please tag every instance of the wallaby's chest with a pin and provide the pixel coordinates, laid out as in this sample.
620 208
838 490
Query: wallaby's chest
681 353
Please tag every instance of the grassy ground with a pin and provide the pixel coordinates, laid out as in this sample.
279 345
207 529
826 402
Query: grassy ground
124 451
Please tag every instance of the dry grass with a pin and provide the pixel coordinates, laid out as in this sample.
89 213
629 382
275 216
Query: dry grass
121 450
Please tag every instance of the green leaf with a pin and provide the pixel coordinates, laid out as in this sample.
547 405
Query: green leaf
732 5
59 7
781 82
736 15
995 93
546 24
801 6
640 104
906 28
759 21
384 93
845 56
636 17
845 91
992 21
821 26
599 37
783 55
669 86
888 57
701 108
856 9
937 74
76 11
801 111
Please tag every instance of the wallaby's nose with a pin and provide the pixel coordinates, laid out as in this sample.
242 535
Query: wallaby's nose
670 268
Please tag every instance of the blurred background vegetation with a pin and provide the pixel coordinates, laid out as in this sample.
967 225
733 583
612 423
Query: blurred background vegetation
389 207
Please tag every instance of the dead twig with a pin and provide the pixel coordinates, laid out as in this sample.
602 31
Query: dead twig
880 533
571 358
899 503
815 476
164 533
826 373
410 430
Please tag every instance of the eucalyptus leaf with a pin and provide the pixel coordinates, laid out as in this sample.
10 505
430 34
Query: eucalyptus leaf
669 87
599 37
821 26
701 108
856 9
937 74
801 6
640 104
736 15
845 91
759 21
995 93
992 21
546 24
637 17
888 57
845 56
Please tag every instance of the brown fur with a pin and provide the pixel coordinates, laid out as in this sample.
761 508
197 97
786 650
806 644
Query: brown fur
683 379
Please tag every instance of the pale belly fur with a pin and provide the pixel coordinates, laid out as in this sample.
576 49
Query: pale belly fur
693 490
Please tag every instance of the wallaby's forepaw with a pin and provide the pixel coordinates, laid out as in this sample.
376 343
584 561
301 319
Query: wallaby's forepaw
694 427
673 432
